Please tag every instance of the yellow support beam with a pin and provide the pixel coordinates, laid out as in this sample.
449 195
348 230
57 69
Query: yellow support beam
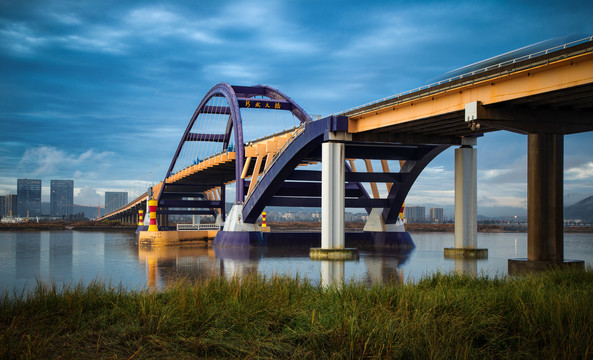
385 167
374 189
255 174
245 168
558 75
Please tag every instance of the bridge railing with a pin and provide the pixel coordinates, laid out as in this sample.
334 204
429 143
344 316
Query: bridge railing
497 65
195 227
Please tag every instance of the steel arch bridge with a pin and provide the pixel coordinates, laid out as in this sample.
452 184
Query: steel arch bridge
264 169
256 139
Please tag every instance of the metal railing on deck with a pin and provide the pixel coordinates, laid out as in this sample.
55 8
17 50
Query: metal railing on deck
187 227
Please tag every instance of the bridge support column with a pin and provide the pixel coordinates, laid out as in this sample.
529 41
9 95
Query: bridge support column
545 213
466 203
332 195
333 202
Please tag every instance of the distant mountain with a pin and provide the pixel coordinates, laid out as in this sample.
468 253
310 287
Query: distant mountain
582 210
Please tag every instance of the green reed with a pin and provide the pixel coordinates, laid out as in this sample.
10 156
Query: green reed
442 316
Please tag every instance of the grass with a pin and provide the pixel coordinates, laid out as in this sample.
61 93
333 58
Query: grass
442 316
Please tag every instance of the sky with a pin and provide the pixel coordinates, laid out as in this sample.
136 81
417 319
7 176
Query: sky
101 91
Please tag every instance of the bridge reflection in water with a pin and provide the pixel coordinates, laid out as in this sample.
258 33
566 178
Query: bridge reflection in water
167 265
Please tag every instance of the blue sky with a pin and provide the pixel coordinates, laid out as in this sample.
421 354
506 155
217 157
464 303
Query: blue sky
101 91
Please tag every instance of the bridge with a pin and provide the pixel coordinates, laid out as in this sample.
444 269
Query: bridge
257 141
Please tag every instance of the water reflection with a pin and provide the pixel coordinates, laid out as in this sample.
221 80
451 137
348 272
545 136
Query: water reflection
385 266
165 265
64 257
332 273
466 266
60 256
27 257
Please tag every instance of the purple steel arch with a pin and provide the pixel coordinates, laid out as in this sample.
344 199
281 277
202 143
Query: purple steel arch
235 123
221 89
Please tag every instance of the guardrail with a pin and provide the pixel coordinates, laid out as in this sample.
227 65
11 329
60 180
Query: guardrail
194 227
473 72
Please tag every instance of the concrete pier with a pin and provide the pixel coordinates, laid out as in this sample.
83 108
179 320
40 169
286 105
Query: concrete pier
333 203
466 203
545 205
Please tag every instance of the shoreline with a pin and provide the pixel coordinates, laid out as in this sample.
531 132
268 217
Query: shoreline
279 226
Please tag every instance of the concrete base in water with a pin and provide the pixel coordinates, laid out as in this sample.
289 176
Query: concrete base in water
333 254
522 265
173 237
239 238
466 253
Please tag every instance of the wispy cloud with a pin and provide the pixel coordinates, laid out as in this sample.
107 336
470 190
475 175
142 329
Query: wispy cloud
580 173
48 160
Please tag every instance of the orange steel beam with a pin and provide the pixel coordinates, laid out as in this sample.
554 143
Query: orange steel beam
558 75
374 188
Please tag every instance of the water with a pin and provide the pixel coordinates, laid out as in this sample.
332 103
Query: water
66 257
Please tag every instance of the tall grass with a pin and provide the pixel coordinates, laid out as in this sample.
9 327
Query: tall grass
443 316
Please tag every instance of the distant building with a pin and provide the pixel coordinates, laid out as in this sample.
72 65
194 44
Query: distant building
10 205
414 214
2 205
61 197
435 215
29 197
114 200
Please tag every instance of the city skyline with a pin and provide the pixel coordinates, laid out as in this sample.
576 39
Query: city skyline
102 93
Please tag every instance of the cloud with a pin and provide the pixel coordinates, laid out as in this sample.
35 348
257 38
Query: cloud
87 195
583 172
48 160
234 72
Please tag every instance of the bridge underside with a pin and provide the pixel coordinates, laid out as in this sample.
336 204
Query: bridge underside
543 98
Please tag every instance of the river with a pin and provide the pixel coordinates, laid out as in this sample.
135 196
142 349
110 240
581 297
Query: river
72 257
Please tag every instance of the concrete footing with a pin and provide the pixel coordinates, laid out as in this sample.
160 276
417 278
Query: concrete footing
466 253
173 237
333 254
522 265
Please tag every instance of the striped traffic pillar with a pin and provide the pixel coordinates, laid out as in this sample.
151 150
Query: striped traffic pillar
152 207
263 219
140 217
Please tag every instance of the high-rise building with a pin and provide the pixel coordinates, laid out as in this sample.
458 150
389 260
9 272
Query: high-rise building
414 213
61 197
29 197
114 200
2 205
10 205
435 215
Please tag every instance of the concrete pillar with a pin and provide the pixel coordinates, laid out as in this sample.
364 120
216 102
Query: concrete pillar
466 199
466 203
333 203
332 195
545 186
545 215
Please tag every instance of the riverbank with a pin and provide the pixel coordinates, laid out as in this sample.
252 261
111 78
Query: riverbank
547 316
274 226
61 226
419 227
